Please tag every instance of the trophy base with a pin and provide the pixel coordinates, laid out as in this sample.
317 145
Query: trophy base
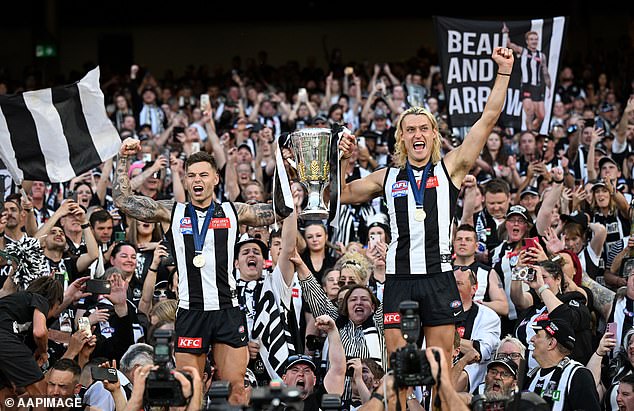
311 215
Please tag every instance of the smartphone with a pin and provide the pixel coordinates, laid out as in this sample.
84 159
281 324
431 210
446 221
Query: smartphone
374 239
83 323
181 101
361 141
195 147
589 122
98 286
348 71
611 328
119 236
204 101
302 94
147 157
104 374
530 242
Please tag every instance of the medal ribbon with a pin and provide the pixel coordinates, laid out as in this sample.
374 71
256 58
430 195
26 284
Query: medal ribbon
199 236
419 192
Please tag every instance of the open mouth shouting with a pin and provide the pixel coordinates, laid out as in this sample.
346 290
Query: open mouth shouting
252 263
419 146
198 189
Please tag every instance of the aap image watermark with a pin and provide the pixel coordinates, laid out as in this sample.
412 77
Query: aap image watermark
49 402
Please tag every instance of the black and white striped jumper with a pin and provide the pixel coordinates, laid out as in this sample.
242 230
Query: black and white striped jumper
213 286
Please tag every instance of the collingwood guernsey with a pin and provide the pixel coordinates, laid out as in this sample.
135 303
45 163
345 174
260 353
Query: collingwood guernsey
213 286
420 247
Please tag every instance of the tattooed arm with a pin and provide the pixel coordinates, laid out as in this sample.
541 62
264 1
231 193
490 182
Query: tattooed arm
140 207
603 296
256 215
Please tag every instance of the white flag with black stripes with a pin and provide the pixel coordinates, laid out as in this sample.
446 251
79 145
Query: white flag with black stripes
57 133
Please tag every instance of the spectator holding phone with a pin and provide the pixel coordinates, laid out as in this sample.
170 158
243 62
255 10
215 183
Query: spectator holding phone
546 297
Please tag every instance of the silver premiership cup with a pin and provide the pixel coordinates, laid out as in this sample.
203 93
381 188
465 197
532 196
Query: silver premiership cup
311 147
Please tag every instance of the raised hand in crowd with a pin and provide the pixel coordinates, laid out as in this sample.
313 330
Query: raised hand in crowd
554 244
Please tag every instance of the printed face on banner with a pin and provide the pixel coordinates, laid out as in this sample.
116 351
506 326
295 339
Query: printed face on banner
468 72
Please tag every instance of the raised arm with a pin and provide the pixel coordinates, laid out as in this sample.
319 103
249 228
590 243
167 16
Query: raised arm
140 207
460 160
551 199
289 235
361 190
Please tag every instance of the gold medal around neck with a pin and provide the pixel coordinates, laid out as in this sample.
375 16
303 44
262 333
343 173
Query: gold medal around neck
419 214
199 261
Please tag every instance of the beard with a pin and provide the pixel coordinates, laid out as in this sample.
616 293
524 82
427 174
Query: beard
497 395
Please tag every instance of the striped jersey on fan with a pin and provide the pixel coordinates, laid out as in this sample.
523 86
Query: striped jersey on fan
420 247
57 133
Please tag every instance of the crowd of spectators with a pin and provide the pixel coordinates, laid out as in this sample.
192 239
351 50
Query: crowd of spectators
559 203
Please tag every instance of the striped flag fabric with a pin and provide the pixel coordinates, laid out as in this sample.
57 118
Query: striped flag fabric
57 133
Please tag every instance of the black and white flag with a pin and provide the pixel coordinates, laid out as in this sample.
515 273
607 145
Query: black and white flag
465 48
57 133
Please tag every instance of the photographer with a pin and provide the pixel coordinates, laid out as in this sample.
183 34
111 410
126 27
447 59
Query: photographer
385 398
300 369
192 388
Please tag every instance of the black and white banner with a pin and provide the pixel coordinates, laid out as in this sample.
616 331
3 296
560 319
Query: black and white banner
465 48
57 133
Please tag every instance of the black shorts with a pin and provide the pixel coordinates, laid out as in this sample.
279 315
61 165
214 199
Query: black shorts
437 296
17 364
534 93
196 330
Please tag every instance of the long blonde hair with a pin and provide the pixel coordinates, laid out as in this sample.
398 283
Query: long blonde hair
399 159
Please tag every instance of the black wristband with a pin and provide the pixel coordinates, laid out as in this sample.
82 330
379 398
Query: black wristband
377 396
557 181
154 270
85 226
504 74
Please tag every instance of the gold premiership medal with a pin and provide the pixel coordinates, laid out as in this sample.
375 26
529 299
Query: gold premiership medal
199 261
419 214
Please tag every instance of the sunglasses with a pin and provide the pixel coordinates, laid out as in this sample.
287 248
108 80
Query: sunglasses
343 282
466 268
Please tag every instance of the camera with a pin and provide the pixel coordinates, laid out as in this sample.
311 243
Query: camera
218 397
572 129
410 364
161 388
523 273
169 258
275 395
519 401
482 403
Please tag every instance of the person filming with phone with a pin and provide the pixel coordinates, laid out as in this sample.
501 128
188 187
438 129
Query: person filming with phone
546 296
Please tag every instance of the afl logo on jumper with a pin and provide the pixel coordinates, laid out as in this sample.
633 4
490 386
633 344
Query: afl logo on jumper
455 304
186 225
399 189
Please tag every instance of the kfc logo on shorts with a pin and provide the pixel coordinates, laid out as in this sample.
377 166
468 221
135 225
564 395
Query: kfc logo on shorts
241 329
460 331
187 342
391 318
399 189
295 292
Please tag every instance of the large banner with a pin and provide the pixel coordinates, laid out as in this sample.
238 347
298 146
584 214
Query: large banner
465 48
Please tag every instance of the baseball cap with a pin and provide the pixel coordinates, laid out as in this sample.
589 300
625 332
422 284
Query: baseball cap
245 239
519 210
299 359
576 217
557 328
599 183
380 220
605 107
607 159
505 362
379 113
247 146
529 190
319 119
